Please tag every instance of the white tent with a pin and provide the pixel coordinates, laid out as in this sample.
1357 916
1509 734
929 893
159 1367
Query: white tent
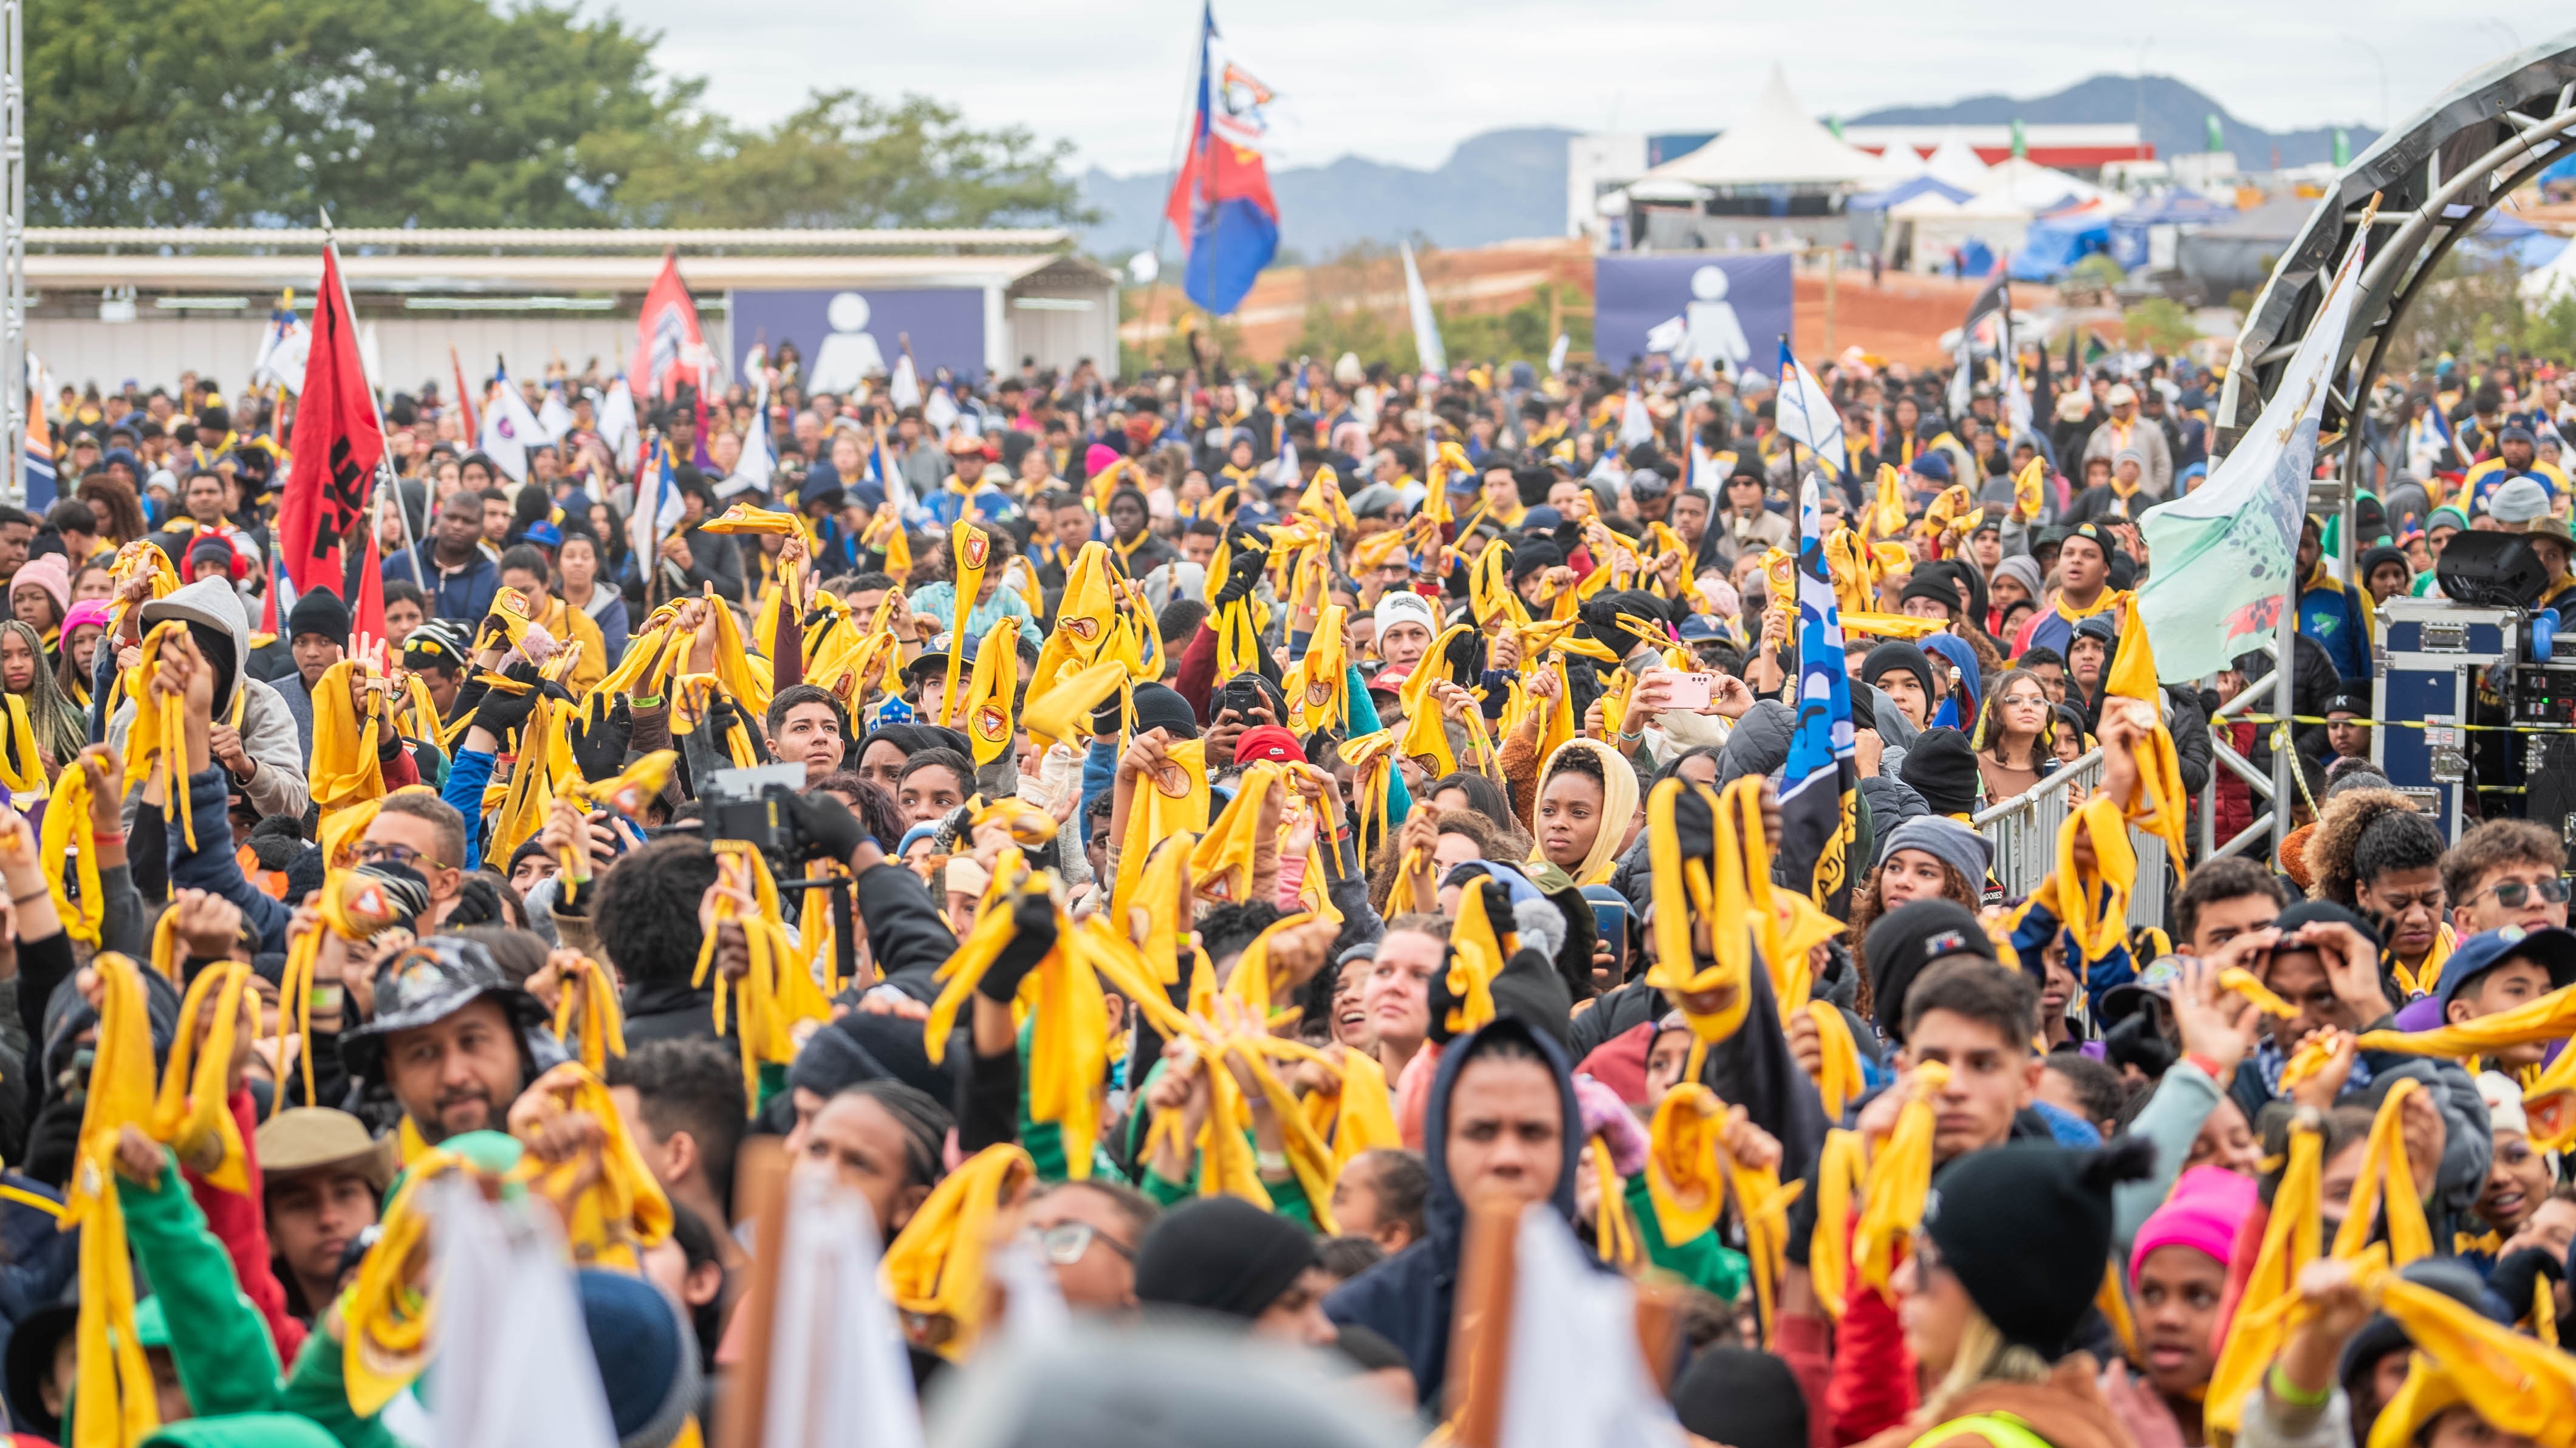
1940 226
1899 163
2543 284
1778 144
2022 182
1956 162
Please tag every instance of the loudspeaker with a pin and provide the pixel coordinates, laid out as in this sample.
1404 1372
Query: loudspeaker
2491 570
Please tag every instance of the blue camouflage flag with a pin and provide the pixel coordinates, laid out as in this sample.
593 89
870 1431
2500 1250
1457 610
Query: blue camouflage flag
1818 790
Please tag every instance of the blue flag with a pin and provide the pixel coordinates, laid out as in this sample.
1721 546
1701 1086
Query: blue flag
1817 792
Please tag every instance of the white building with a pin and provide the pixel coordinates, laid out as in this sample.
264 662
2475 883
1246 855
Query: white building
106 304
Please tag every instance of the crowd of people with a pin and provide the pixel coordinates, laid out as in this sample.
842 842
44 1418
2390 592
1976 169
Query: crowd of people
1220 834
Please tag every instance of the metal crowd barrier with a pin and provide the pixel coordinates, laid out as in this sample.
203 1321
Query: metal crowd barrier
2023 831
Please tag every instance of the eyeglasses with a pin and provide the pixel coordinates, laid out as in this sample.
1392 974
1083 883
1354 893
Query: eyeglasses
2034 701
371 853
2513 894
1065 1242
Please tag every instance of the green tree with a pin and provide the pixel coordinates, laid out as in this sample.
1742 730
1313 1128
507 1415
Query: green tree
849 160
249 112
2161 324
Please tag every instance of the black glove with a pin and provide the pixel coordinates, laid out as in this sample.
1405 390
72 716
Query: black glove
1802 1222
600 739
1033 918
723 715
502 710
2515 1272
831 832
1243 570
1498 909
1108 714
952 828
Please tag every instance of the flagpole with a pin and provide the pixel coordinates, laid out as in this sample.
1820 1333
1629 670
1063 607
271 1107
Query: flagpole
384 458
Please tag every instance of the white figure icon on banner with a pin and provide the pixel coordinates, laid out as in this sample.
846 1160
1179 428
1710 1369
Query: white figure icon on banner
849 356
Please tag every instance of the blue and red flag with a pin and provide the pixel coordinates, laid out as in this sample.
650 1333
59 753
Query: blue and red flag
1220 201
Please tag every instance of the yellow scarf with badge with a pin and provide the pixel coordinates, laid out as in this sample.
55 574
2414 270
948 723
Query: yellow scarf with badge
969 551
934 1268
1170 803
344 768
1709 890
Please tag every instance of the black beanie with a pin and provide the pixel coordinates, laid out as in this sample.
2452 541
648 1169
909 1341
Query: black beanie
1943 769
1742 1398
1934 586
1907 939
1159 706
1222 1255
319 612
1895 654
2310 912
2026 1228
1537 555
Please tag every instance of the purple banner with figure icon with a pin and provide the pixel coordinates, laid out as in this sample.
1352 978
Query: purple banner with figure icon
1728 311
843 337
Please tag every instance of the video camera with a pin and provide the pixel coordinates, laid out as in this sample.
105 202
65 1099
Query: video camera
750 805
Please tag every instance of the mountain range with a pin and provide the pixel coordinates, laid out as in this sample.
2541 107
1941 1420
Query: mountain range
1508 184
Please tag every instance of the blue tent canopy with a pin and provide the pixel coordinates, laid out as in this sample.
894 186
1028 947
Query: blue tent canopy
2177 207
1904 191
2055 243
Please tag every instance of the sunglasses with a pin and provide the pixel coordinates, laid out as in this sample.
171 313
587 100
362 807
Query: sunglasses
2513 894
371 853
1065 1242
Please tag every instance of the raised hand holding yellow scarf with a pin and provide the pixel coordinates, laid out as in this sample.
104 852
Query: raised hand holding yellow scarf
1899 1179
114 1403
934 1269
2293 1235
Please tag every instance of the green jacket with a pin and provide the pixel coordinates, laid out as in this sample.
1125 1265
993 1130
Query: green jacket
225 1358
1287 1198
1704 1262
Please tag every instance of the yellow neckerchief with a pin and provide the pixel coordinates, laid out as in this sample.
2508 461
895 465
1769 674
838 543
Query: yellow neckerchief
22 763
2545 1018
2109 599
1426 736
1068 1045
587 1014
2093 905
1168 804
190 1112
387 1322
2026 488
622 1213
1127 551
1686 1168
2515 1383
1898 1180
1839 1077
1221 866
778 991
344 768
1318 684
1362 1115
934 1269
2161 806
156 741
2387 1178
1614 1232
114 1404
354 907
985 710
2293 1236
1885 517
1479 947
1373 757
1840 1170
969 552
1711 890
2427 973
67 821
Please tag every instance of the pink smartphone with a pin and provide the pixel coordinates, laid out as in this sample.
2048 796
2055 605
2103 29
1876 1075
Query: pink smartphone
1692 691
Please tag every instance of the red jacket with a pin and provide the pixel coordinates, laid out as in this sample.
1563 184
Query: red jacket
240 1222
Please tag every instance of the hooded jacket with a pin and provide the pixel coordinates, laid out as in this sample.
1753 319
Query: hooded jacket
268 729
1408 1297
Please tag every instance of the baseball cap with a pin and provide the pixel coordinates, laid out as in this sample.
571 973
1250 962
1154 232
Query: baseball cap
1268 741
2552 948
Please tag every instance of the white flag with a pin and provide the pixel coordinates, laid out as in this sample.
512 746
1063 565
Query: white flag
1806 413
2226 550
1577 1378
1556 354
903 389
1636 425
514 1361
758 464
617 426
838 1373
282 347
1426 327
938 410
509 429
554 417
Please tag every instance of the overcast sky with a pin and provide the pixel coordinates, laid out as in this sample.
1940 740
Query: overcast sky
1406 82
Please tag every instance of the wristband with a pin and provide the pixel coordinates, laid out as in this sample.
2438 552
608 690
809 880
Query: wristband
2282 1388
2210 1066
324 999
39 893
1270 1163
104 838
